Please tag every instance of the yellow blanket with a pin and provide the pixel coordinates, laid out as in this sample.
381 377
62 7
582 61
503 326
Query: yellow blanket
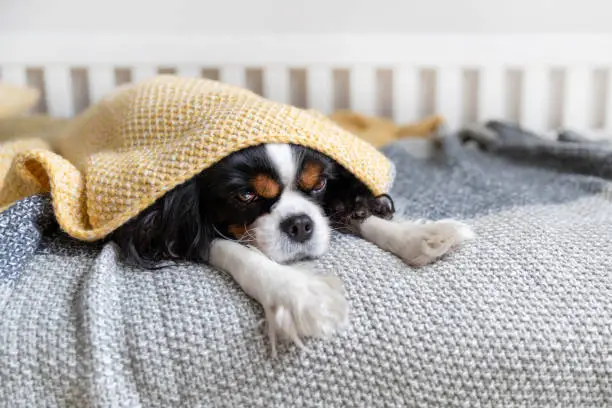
139 142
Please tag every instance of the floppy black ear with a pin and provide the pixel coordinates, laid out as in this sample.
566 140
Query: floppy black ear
348 200
174 227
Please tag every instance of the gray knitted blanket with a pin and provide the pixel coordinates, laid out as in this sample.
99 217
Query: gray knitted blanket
522 316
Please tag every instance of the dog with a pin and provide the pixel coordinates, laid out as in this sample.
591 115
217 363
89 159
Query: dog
261 209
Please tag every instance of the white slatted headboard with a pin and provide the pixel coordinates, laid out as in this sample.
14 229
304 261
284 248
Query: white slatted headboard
542 81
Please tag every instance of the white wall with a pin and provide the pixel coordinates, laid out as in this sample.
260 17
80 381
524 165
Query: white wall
307 16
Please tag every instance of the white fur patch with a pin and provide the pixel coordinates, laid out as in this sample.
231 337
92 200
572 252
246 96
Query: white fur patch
282 157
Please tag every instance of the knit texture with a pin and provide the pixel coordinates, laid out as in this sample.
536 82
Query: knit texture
520 317
21 229
141 141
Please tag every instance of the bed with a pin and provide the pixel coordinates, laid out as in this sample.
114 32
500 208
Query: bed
522 316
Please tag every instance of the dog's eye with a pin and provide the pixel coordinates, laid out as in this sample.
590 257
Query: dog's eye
320 185
246 196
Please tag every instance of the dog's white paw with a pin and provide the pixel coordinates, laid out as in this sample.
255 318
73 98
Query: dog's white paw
305 305
422 242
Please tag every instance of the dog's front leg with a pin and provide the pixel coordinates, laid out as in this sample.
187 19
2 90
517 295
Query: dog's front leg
296 302
416 242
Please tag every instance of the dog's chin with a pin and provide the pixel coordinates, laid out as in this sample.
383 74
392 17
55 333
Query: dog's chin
298 257
284 251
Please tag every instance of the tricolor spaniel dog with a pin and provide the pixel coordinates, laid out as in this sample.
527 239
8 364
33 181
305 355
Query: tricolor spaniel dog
262 208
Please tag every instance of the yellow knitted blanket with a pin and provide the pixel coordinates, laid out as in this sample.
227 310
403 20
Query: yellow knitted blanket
123 153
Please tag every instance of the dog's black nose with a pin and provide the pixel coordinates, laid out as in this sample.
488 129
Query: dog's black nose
298 227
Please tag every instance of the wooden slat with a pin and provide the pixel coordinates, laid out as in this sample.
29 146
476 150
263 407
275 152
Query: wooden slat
189 71
276 83
233 75
14 74
608 107
320 89
143 72
449 97
101 79
535 98
363 90
405 94
578 97
491 93
58 89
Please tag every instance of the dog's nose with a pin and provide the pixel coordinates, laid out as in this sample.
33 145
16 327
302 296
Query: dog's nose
298 227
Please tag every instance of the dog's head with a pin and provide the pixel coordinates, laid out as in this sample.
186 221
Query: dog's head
282 199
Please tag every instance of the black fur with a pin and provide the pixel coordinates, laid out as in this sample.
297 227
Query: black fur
182 224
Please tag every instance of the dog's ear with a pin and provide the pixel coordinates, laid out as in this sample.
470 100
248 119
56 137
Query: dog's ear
174 227
348 200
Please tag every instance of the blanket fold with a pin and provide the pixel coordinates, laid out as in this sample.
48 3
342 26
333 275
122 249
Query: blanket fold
141 141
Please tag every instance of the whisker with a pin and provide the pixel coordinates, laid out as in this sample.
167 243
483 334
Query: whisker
246 239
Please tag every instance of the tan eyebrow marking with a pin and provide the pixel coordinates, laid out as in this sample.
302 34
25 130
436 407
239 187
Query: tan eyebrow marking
310 176
237 230
265 186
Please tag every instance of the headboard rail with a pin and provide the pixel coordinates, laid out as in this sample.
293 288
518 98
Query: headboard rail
541 81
